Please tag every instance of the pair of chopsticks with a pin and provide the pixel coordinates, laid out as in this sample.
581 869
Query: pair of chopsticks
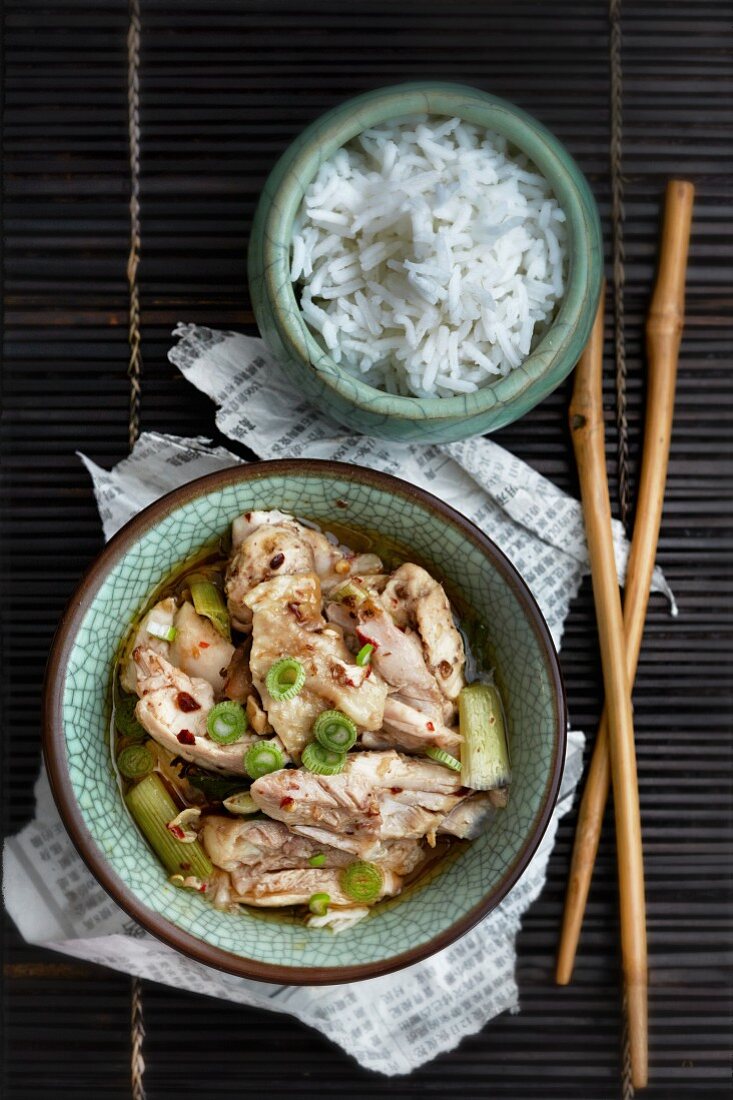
614 757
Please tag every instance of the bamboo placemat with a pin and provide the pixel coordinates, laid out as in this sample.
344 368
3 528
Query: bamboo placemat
223 87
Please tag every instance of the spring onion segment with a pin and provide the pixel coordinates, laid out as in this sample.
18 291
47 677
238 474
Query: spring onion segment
484 754
350 593
334 731
440 756
226 722
318 904
209 602
135 761
322 761
364 655
125 719
161 630
362 881
241 803
262 758
318 860
285 679
152 808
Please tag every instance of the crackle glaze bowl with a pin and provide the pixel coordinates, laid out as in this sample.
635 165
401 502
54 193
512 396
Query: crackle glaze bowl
439 907
312 369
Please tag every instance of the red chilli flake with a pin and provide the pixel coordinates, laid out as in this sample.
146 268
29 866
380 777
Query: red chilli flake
396 790
277 561
186 737
429 726
287 803
186 702
177 831
203 645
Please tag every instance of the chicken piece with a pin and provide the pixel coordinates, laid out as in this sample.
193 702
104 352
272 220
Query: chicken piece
163 613
397 657
244 525
198 648
287 622
266 544
472 816
404 727
271 889
231 844
173 708
412 596
378 796
270 845
267 552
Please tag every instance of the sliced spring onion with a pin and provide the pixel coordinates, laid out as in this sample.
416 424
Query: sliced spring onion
241 803
317 758
226 722
362 881
334 731
152 808
161 630
262 758
484 754
318 904
440 756
125 719
364 655
135 761
285 679
209 602
318 860
350 593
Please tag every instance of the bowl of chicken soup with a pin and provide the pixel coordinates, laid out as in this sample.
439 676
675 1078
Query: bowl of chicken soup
304 722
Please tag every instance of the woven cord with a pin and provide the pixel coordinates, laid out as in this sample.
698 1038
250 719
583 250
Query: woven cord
627 1089
619 275
619 278
134 370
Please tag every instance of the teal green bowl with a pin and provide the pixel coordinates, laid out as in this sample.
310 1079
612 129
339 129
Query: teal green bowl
430 914
312 370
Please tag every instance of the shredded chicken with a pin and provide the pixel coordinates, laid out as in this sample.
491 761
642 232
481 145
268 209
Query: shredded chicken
287 622
269 544
378 796
413 597
173 708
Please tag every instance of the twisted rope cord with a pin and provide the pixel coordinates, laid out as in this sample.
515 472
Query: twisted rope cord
619 256
627 1089
134 371
619 279
137 1036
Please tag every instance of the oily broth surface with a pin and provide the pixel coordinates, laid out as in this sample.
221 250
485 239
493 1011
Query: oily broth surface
213 558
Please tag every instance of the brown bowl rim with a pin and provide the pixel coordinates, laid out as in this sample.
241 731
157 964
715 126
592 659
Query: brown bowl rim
54 741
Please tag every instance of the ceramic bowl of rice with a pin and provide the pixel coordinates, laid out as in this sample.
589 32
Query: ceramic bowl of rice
425 262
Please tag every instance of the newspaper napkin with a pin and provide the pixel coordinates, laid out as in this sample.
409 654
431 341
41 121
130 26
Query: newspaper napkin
394 1023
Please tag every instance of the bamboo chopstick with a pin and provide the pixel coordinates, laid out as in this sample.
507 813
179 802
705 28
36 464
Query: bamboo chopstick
664 332
586 425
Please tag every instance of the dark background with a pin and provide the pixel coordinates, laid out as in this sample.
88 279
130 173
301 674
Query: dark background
225 85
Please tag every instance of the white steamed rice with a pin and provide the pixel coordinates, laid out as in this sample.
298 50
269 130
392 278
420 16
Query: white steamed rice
429 261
